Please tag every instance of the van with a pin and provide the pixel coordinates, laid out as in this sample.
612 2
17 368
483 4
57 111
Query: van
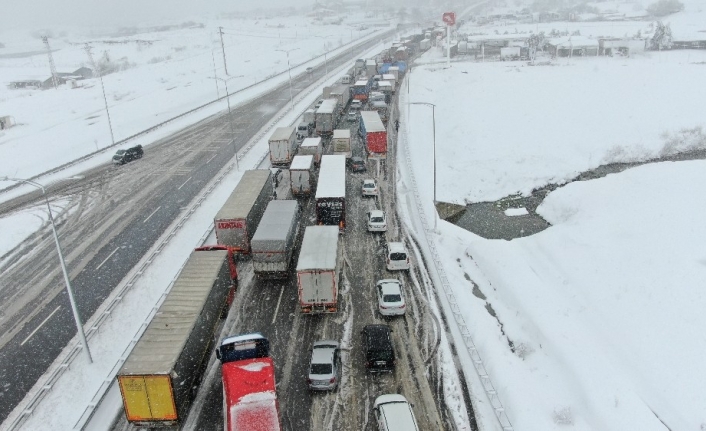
394 413
379 352
346 79
303 131
397 256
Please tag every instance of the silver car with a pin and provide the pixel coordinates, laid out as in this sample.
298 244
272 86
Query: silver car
390 297
377 222
325 366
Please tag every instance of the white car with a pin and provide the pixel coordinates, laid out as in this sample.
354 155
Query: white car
370 188
325 366
377 222
390 297
397 257
352 115
356 104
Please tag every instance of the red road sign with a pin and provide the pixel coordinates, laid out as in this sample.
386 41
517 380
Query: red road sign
449 18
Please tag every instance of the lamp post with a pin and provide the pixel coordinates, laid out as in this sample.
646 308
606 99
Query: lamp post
433 122
230 118
72 301
289 70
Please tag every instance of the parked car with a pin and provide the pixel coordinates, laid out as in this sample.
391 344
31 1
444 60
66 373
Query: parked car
325 365
390 297
356 104
352 115
125 156
370 188
377 222
394 413
397 257
378 348
356 164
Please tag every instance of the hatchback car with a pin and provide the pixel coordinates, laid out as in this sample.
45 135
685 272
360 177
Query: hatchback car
370 188
124 156
377 222
377 345
397 257
390 297
325 365
356 164
352 115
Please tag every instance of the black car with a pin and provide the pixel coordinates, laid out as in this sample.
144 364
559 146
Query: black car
124 156
356 164
379 352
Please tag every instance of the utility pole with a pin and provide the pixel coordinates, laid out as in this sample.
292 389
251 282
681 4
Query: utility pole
54 76
105 99
223 48
213 58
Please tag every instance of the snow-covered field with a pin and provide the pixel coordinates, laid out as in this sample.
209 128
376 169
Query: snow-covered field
594 323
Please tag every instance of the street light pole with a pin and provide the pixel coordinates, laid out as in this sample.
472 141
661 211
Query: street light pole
72 301
433 122
289 71
230 119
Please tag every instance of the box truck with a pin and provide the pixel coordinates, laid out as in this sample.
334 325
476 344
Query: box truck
237 220
283 145
341 142
301 175
326 117
373 133
318 270
273 243
312 147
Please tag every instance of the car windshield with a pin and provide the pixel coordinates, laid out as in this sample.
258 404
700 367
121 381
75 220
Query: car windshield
391 298
380 355
398 256
369 185
120 152
321 368
377 219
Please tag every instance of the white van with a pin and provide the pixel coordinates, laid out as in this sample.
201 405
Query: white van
394 413
346 79
397 256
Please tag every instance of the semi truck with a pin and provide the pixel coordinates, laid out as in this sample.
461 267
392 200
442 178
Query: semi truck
283 145
273 242
318 270
301 175
158 378
331 192
342 94
341 142
237 220
326 117
373 133
312 147
361 88
249 387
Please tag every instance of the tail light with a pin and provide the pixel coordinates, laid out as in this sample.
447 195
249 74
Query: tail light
333 380
383 307
308 380
403 305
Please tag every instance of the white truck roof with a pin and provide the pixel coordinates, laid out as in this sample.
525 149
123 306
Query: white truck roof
327 106
244 195
342 134
372 121
282 133
319 248
301 162
332 177
275 225
388 77
311 142
361 82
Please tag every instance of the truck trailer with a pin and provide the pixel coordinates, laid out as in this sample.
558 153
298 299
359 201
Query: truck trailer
361 88
341 142
373 133
237 220
371 67
312 147
158 377
273 242
318 270
283 145
331 192
326 117
301 175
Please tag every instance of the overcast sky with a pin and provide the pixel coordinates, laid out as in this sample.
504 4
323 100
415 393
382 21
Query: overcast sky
30 15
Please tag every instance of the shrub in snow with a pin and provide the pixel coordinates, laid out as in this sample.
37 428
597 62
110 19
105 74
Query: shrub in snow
523 350
683 140
563 416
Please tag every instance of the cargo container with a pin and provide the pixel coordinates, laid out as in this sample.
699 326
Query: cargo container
373 133
283 145
158 378
301 175
331 192
371 67
309 117
273 242
394 71
313 147
318 270
386 87
326 117
249 387
342 94
361 89
341 142
237 220
382 109
389 77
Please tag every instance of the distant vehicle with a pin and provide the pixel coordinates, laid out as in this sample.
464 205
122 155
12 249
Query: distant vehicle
394 413
370 188
372 132
283 145
352 115
303 131
377 222
312 147
397 257
318 103
356 164
309 117
325 366
302 179
326 116
249 393
309 70
390 297
378 348
125 156
356 104
341 142
346 79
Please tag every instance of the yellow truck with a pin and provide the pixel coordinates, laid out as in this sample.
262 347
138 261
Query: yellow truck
158 380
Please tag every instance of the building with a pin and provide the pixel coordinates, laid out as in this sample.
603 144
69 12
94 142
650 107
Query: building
621 46
26 83
572 46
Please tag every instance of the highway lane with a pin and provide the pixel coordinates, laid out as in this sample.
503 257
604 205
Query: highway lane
108 221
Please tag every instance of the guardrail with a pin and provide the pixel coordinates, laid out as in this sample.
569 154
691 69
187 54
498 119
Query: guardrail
486 382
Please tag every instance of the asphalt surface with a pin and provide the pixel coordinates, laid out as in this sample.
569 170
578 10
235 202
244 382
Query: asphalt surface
107 222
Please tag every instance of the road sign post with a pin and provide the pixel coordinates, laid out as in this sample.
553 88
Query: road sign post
449 19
